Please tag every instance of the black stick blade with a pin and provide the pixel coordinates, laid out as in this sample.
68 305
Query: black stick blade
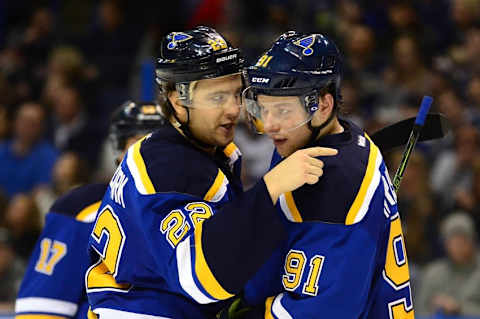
436 126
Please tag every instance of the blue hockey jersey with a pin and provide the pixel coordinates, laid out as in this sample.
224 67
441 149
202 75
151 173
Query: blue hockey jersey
345 254
53 285
174 229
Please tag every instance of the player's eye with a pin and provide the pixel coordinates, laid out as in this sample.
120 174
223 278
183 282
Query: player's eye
282 112
218 99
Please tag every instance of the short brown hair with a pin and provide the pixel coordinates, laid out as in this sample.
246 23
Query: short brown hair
163 91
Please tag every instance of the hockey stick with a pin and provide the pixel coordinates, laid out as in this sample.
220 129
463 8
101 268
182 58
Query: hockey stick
395 135
412 140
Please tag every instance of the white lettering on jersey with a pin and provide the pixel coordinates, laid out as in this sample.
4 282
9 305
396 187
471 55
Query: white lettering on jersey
116 186
362 141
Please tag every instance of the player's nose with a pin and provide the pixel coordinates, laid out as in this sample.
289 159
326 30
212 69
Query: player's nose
232 109
270 124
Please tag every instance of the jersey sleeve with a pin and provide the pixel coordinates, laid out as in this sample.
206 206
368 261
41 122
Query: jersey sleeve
332 283
53 283
202 247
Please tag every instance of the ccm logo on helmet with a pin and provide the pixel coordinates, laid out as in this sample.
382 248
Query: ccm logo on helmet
226 58
260 80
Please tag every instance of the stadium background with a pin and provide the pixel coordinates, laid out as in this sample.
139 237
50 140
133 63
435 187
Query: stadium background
65 65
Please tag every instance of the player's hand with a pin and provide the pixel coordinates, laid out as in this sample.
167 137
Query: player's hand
235 310
302 167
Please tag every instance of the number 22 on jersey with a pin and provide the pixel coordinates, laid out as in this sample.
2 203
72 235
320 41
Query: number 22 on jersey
175 225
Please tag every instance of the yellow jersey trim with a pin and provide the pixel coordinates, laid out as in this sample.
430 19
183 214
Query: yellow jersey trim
215 186
367 180
42 316
142 169
87 211
91 314
293 207
203 272
229 149
268 308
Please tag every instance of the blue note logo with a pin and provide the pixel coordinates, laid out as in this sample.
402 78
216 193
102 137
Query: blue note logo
306 43
177 37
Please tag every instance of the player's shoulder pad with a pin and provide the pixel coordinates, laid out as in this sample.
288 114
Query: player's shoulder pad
167 162
342 186
80 203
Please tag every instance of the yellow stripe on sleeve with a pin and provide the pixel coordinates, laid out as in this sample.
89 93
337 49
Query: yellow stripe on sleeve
367 179
142 170
203 272
42 316
87 211
215 186
268 308
292 207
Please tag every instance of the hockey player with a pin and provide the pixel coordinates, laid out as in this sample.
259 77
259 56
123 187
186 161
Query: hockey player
53 286
345 253
175 233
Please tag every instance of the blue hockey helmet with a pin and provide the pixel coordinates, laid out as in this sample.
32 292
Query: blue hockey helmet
134 118
297 65
201 53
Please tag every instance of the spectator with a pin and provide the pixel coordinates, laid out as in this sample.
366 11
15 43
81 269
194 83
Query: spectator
74 129
473 92
68 63
349 14
26 160
11 271
452 173
403 19
110 47
67 67
448 282
465 13
360 47
23 220
409 71
462 59
417 207
35 44
69 171
469 200
4 123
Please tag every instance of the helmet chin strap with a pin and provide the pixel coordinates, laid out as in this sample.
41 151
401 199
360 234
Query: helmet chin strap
316 129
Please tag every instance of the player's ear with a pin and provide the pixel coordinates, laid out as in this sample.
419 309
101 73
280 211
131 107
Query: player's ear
325 104
177 105
325 108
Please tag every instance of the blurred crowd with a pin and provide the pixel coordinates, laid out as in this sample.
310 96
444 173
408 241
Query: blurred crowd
66 65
